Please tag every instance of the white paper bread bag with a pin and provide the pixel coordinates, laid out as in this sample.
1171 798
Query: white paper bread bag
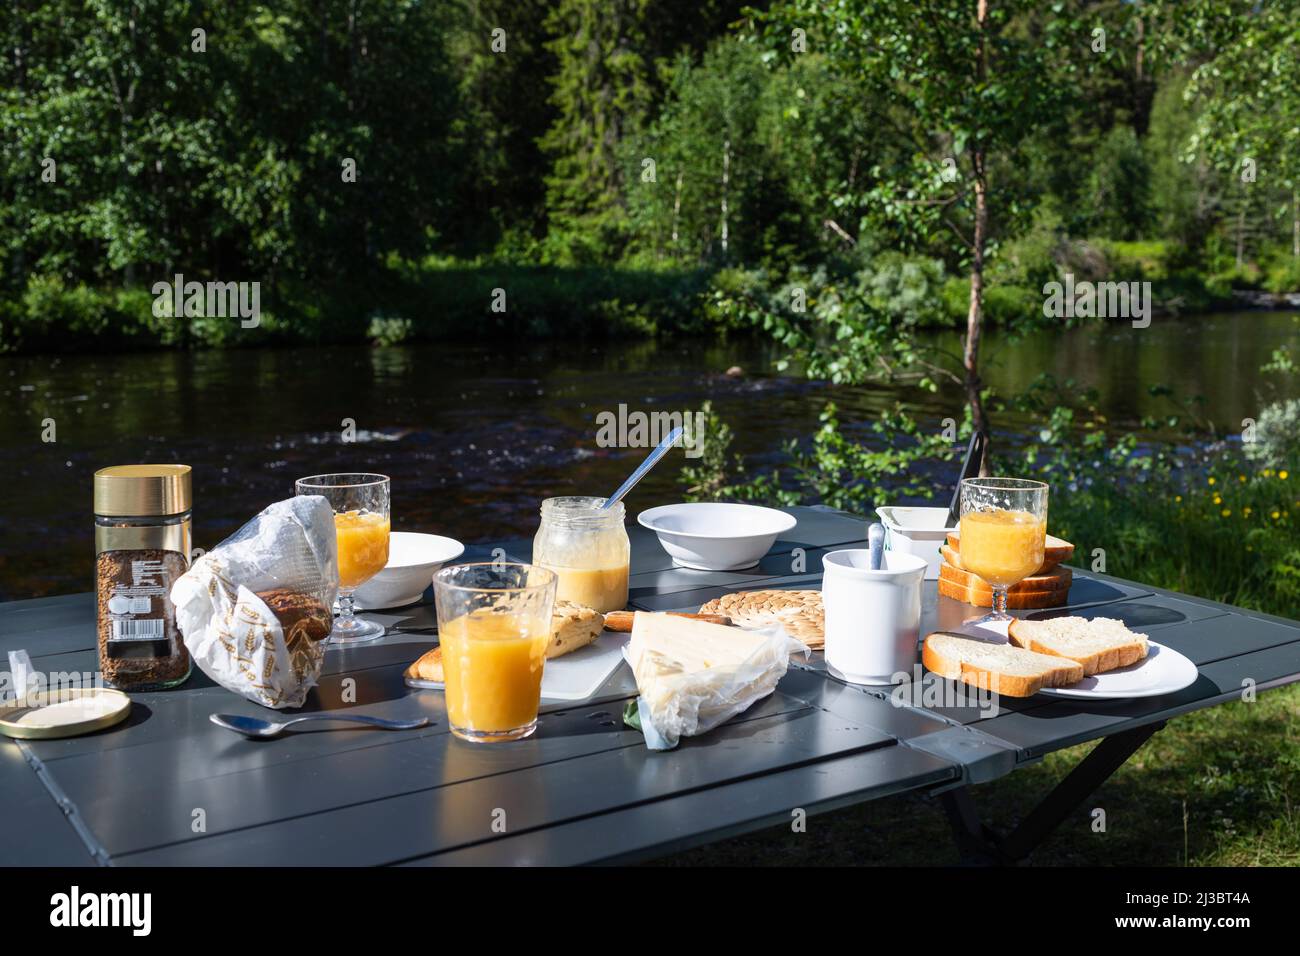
254 609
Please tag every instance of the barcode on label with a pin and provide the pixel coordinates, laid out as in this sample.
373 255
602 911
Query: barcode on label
141 605
151 630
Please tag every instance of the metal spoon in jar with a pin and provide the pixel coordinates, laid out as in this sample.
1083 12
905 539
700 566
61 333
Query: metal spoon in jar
876 544
651 460
256 727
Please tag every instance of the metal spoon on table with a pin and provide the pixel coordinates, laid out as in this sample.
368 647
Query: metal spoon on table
256 727
651 460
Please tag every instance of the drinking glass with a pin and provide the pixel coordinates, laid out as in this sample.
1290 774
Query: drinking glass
361 525
1003 533
494 623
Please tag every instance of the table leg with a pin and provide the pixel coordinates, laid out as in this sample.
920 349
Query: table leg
977 843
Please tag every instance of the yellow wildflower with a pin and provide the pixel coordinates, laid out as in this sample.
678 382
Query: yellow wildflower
1276 515
1218 500
1211 479
1226 512
1282 474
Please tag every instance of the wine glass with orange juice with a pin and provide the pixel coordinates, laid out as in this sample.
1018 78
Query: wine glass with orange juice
494 624
361 526
1003 533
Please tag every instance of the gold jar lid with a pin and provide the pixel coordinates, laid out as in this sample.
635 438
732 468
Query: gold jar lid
142 490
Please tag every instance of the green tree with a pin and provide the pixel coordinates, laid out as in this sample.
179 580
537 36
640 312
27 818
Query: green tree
1185 193
1249 98
220 153
1119 186
959 88
710 166
613 60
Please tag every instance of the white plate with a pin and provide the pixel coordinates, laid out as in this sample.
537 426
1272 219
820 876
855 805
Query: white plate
1162 671
575 676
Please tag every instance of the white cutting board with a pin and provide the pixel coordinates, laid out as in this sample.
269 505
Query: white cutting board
574 676
579 675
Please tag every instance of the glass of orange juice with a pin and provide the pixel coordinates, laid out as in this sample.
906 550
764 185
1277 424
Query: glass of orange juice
361 525
494 623
1003 532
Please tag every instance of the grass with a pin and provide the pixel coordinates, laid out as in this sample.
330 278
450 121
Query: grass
1229 534
1220 787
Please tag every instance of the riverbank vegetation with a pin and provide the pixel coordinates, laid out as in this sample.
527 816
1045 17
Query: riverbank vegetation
597 170
583 170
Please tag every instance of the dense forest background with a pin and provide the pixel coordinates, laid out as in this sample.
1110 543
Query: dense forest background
631 167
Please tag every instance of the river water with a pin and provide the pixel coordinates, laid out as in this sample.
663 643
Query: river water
474 437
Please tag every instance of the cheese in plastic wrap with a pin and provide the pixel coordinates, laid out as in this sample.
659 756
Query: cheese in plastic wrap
290 548
692 676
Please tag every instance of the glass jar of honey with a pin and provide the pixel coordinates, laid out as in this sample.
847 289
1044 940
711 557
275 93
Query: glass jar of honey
587 548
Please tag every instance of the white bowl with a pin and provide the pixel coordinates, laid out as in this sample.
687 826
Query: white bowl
716 536
412 559
918 531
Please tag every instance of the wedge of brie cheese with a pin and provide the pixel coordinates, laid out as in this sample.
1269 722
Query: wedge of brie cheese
693 675
685 645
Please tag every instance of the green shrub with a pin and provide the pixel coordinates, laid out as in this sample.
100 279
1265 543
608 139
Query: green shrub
1283 275
1246 276
52 316
385 331
1277 435
834 468
907 287
1145 259
1030 261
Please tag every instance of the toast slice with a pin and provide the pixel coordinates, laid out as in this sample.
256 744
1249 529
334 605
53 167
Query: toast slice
1016 600
1056 551
572 626
1001 668
1055 580
1099 645
1037 591
428 666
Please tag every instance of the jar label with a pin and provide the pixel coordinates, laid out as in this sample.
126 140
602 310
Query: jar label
135 630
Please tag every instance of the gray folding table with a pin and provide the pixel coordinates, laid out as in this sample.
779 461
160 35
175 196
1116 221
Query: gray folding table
167 787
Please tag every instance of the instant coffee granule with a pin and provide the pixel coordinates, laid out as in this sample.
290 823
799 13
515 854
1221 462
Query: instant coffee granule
140 646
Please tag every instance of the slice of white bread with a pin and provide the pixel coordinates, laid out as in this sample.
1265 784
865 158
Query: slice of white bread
1001 668
1101 644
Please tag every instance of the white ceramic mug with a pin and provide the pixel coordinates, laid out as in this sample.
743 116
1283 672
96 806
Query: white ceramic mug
873 618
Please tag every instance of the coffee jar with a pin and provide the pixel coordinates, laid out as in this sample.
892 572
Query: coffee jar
142 545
